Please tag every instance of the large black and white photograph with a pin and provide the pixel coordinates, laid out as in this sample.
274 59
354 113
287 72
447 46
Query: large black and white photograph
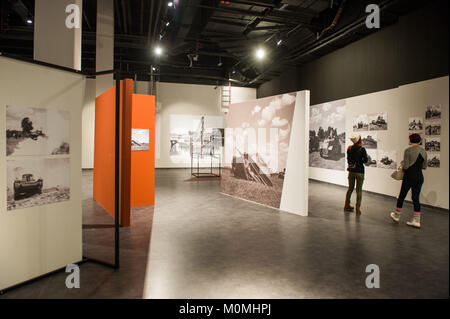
434 160
37 182
369 140
327 136
140 139
361 123
37 131
415 124
433 112
378 122
433 128
433 144
387 159
372 159
421 138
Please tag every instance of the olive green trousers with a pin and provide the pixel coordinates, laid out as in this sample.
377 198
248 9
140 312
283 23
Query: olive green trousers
353 178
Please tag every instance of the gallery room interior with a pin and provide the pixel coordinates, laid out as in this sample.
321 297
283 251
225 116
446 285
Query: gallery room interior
208 149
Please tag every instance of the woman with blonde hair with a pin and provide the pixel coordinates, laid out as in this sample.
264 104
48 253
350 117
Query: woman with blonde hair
356 158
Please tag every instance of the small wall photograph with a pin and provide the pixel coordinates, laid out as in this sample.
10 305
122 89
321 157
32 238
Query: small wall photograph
387 159
378 122
433 112
369 140
433 128
361 123
433 144
37 182
372 158
434 160
327 136
140 139
37 131
415 124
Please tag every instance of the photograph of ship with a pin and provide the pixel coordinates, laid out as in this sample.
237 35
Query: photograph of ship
372 158
433 112
254 169
433 144
35 131
415 124
434 160
433 128
37 182
378 122
361 123
369 140
140 139
387 159
421 138
327 136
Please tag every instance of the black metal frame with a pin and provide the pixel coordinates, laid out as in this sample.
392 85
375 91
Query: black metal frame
116 224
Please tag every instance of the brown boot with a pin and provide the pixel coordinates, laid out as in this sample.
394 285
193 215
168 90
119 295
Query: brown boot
348 207
358 209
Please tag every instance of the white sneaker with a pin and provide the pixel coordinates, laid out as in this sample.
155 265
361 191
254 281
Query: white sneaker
415 222
395 215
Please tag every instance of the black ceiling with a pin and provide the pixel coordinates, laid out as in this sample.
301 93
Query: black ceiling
212 41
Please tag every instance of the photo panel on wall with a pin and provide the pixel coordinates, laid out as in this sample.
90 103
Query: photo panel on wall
433 127
369 140
433 112
361 123
327 135
387 159
433 144
434 160
140 139
378 122
372 158
37 181
416 123
37 131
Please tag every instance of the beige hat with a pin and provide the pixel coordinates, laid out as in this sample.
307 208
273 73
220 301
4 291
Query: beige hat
355 138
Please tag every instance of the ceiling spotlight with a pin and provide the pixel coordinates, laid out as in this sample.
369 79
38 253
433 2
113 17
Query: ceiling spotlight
279 42
170 4
29 21
167 23
153 68
260 53
158 50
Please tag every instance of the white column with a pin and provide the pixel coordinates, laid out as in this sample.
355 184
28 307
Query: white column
54 42
105 44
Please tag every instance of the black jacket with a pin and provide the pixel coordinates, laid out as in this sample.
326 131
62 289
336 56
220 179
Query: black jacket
356 158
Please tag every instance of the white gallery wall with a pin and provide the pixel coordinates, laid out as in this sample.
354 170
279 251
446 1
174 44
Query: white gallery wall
40 239
188 99
88 124
400 104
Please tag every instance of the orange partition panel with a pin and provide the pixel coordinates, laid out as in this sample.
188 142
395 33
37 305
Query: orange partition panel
104 150
143 162
104 155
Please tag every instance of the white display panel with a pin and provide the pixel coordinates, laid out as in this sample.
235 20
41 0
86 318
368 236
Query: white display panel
39 239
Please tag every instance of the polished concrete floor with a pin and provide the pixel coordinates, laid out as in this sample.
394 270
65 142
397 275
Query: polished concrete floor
207 245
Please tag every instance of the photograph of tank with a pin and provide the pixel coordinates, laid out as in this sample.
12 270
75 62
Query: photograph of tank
415 124
361 123
433 144
421 138
434 160
256 149
140 139
387 159
37 182
378 122
37 131
372 158
433 112
433 128
369 140
182 128
327 136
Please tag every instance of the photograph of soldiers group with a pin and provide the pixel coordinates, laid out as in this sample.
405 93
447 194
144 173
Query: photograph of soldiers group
432 128
415 124
433 112
378 122
433 144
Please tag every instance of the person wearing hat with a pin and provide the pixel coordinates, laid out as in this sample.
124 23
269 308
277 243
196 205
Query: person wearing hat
356 158
415 160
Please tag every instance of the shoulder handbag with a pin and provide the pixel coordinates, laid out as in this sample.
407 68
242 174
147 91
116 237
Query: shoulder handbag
398 174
